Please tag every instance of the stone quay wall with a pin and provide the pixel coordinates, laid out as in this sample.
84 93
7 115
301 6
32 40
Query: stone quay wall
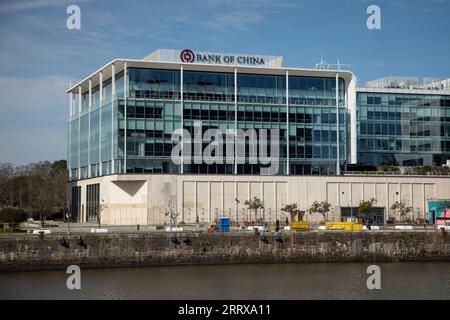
30 252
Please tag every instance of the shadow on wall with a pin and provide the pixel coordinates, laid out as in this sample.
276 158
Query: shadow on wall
130 187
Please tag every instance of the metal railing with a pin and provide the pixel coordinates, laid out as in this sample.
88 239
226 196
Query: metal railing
395 173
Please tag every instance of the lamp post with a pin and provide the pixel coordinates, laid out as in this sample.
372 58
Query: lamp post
68 216
237 210
351 213
349 204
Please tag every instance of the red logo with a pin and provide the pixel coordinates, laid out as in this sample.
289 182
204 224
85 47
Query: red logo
187 56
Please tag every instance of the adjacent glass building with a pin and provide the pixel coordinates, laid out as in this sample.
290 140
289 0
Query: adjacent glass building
403 128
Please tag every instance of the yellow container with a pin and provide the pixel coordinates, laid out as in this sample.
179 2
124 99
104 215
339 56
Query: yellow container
356 226
348 226
299 225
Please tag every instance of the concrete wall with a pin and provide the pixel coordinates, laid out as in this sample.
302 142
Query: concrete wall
144 199
31 253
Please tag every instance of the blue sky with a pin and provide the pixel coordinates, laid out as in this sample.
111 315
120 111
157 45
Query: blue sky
39 55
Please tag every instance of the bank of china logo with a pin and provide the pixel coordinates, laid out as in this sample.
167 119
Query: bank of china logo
187 56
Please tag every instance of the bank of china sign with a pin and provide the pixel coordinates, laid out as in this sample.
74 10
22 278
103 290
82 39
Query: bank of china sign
189 56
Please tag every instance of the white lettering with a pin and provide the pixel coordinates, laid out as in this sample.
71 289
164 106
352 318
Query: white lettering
74 280
74 20
374 21
374 281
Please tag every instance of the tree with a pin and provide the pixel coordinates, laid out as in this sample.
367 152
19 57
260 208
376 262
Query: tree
254 205
38 188
173 216
6 175
293 210
401 208
12 217
320 207
366 207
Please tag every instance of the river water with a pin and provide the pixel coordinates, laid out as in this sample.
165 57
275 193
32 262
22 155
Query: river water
276 281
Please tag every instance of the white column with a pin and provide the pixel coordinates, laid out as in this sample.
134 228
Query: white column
69 129
113 81
89 127
287 122
79 111
90 94
338 161
125 95
351 93
235 121
101 87
113 97
182 119
100 123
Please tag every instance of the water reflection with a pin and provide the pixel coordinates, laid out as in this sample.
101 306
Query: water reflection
277 281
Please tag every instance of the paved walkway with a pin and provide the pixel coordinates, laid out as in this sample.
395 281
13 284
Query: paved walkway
58 227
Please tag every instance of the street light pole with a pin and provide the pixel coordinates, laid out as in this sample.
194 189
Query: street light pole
68 216
351 215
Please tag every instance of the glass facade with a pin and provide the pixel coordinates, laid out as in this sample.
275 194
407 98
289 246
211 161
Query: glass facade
103 135
403 129
93 131
313 125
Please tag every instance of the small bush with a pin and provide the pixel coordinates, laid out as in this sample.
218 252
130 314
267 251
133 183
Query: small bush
388 168
11 215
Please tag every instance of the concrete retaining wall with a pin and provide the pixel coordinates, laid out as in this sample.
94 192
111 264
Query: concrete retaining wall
26 252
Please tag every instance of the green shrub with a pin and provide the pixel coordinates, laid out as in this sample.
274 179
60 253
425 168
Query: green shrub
11 215
388 168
